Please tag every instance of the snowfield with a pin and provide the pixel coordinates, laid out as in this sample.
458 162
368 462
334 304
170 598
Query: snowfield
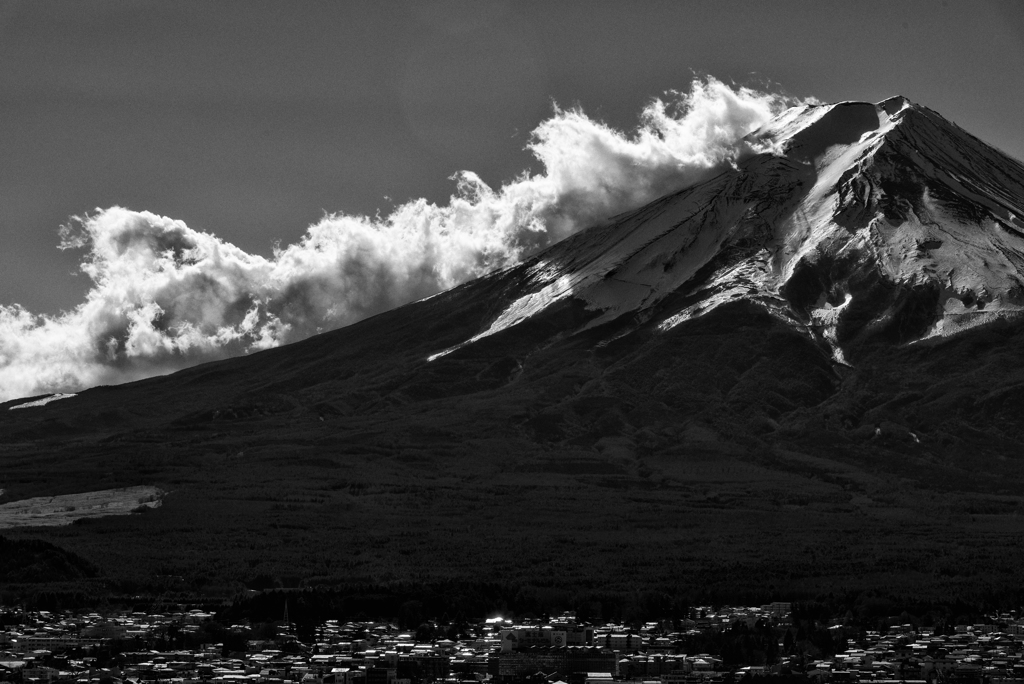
41 402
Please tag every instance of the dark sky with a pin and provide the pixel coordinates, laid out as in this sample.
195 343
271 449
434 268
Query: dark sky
251 119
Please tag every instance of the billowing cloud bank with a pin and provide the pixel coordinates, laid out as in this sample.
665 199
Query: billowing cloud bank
165 296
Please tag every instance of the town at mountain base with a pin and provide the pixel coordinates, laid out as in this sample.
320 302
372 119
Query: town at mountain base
782 642
802 375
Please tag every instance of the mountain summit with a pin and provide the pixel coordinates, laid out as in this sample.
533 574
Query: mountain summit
802 373
844 220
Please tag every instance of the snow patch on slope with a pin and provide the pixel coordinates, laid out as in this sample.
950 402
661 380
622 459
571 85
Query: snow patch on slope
41 402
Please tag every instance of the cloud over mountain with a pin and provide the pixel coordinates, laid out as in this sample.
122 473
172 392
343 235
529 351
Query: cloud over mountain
165 296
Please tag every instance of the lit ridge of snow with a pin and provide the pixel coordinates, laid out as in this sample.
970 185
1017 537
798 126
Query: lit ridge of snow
523 308
533 303
856 190
41 402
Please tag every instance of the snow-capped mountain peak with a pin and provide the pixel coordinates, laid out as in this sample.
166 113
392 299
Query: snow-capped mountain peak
843 219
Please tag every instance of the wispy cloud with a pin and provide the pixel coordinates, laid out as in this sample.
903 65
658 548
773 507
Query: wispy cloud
165 296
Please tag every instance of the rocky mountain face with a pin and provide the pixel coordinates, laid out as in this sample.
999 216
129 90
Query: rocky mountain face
804 374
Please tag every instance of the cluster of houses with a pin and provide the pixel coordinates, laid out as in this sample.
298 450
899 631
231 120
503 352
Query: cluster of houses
50 648
992 652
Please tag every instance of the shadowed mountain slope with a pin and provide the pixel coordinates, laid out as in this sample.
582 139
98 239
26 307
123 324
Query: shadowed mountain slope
805 373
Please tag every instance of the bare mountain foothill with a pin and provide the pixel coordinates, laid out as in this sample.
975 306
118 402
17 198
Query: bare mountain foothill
804 375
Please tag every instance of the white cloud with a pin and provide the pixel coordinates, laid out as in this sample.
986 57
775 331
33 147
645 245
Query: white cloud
165 296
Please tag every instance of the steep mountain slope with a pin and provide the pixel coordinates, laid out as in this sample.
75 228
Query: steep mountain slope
805 373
